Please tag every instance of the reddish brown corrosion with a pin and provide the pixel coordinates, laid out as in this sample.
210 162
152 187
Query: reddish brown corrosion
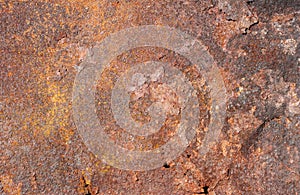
255 44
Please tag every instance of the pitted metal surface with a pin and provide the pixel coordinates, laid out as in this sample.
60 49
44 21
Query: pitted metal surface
238 59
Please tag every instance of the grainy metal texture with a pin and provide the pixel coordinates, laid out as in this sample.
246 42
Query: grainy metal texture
255 44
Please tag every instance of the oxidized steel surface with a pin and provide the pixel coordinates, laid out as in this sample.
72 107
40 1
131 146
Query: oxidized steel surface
254 45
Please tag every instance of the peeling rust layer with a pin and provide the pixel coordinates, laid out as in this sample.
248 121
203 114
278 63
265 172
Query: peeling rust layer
255 45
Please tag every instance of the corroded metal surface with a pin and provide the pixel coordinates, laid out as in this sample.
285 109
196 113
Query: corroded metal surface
254 45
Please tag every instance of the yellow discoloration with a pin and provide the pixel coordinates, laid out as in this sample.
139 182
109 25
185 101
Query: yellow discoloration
258 151
104 169
85 181
55 114
9 187
87 175
224 146
58 112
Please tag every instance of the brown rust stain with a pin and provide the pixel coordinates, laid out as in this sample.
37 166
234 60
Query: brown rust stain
43 42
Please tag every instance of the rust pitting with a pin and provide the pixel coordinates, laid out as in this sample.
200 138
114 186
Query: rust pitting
42 151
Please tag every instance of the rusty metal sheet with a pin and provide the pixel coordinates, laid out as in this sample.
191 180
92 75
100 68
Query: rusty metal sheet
150 97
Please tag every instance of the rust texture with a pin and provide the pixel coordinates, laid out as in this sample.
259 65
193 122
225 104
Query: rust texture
255 44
